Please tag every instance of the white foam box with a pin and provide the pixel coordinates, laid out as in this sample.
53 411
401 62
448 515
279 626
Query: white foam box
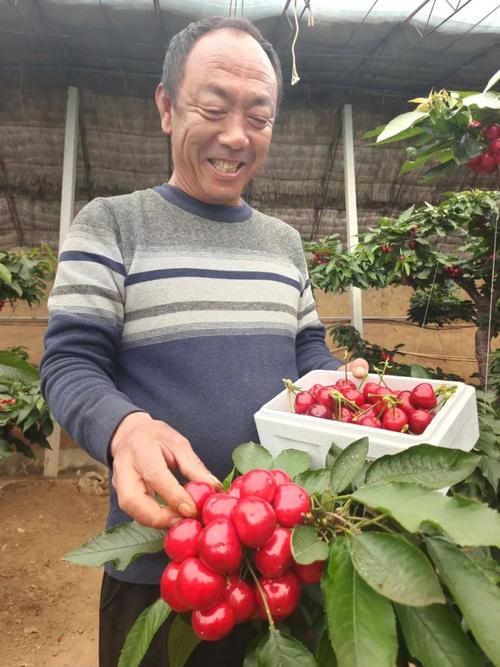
455 425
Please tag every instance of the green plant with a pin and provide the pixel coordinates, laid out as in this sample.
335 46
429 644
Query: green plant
24 415
24 275
413 250
447 128
408 572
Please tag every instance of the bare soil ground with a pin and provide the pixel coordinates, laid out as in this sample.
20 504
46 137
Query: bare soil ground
48 607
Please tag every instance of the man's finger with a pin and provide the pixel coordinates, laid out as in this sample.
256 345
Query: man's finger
193 468
359 367
158 477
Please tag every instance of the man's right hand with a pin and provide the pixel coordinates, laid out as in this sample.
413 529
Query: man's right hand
144 452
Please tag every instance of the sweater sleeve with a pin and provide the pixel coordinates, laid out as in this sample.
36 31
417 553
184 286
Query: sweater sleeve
84 331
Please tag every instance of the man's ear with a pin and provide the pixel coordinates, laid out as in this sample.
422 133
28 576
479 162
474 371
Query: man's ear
165 107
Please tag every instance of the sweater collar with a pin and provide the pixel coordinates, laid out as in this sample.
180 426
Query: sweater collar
176 196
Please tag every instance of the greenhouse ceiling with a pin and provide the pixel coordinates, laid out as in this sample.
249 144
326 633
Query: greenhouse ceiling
117 46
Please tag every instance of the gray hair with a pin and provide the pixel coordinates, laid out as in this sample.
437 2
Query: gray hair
181 44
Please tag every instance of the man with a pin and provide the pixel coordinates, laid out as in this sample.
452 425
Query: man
178 310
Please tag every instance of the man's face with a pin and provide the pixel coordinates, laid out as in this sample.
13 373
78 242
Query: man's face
222 122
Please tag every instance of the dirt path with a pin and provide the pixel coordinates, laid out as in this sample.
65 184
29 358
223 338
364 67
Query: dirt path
48 607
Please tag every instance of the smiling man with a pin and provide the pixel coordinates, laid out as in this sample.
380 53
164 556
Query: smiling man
177 311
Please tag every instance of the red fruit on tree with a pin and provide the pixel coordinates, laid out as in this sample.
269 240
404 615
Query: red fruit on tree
168 587
240 597
199 492
258 482
386 249
488 162
181 541
291 501
412 244
495 146
419 420
282 595
198 586
321 411
219 546
214 623
218 505
394 419
475 164
275 557
280 476
492 131
303 401
310 574
255 520
423 396
475 123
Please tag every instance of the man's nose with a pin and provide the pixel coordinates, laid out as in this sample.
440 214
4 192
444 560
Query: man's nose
234 134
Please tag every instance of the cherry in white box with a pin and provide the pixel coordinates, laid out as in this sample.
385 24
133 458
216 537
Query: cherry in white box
455 424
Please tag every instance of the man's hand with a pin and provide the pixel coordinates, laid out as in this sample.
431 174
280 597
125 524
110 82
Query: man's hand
358 367
145 451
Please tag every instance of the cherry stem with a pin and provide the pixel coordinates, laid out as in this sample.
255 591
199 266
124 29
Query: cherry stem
261 593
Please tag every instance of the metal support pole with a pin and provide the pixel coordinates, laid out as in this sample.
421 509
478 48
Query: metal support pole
51 463
351 210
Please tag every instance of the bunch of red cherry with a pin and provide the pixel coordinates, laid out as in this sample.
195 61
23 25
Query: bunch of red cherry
234 561
373 405
488 161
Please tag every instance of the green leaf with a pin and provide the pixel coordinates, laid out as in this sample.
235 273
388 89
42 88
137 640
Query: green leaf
251 455
181 642
401 136
279 650
15 367
433 173
307 546
431 466
292 461
324 652
494 79
142 632
348 465
228 480
435 637
5 449
361 622
5 274
476 596
395 568
401 123
417 371
467 522
333 454
489 100
119 545
314 481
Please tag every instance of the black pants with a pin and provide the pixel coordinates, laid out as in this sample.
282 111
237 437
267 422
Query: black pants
121 603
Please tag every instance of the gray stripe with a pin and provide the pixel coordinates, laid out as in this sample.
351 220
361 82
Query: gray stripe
86 289
185 306
177 333
306 311
89 313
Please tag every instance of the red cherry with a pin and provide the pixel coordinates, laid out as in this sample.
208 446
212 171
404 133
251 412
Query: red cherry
168 587
394 419
241 598
404 401
214 623
199 492
258 482
372 422
419 420
275 557
370 392
344 383
492 131
235 488
320 411
412 244
475 123
488 162
303 401
282 595
323 397
291 501
198 586
495 146
385 248
280 476
219 546
423 396
343 415
255 520
218 505
474 164
181 541
314 389
310 574
353 395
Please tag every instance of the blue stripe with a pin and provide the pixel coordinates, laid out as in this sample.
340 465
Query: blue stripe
307 284
77 256
159 274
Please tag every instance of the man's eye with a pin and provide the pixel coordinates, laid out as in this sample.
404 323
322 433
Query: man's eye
213 113
259 122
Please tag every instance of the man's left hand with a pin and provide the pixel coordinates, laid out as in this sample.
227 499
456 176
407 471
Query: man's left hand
358 367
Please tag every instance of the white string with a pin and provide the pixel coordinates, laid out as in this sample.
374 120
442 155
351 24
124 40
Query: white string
491 307
427 307
295 76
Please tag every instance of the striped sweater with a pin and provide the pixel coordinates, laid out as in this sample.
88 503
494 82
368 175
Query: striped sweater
189 311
